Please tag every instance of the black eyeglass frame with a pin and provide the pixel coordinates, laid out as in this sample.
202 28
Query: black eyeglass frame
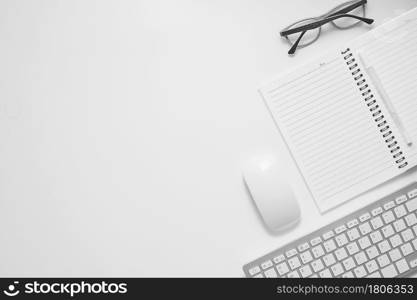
324 19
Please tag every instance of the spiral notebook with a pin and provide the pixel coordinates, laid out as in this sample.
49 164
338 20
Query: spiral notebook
346 132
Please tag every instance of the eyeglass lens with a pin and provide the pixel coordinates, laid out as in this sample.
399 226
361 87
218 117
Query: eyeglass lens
309 37
346 23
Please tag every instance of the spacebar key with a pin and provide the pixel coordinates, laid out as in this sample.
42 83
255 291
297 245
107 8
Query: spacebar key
412 205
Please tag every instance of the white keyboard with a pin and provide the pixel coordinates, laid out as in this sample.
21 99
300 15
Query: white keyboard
379 240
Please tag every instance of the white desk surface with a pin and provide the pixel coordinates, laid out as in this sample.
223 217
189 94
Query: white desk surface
124 126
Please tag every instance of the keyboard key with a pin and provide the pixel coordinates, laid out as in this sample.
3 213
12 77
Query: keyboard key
303 247
374 275
377 211
372 266
388 217
315 241
407 235
415 229
353 234
407 249
293 274
365 228
383 260
399 225
258 276
348 275
401 199
365 217
376 237
294 263
341 240
270 273
317 265
326 274
352 248
372 252
328 235
352 223
387 231
329 260
318 251
360 272
283 269
361 258
412 194
329 245
267 265
306 257
291 253
389 272
415 244
305 271
411 219
340 229
396 241
279 258
384 246
411 205
413 263
377 223
254 270
395 255
349 263
341 253
389 205
400 211
402 266
337 269
364 242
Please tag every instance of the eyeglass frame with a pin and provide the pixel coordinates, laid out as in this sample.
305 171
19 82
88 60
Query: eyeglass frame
329 17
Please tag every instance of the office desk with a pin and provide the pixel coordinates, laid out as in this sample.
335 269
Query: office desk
124 126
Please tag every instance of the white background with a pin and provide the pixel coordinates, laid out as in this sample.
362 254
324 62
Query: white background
124 125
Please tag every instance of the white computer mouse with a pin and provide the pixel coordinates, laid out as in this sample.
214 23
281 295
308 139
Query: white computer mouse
273 196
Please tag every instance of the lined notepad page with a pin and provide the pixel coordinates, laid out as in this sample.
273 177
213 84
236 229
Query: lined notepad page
329 131
392 50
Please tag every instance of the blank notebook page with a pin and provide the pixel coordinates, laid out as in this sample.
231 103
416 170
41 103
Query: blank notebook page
329 131
392 50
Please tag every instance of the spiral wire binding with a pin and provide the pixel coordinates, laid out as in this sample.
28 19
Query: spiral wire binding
374 108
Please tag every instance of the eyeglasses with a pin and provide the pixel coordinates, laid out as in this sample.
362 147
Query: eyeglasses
343 16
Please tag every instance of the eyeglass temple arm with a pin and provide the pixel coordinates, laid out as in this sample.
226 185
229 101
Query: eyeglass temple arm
322 22
295 45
